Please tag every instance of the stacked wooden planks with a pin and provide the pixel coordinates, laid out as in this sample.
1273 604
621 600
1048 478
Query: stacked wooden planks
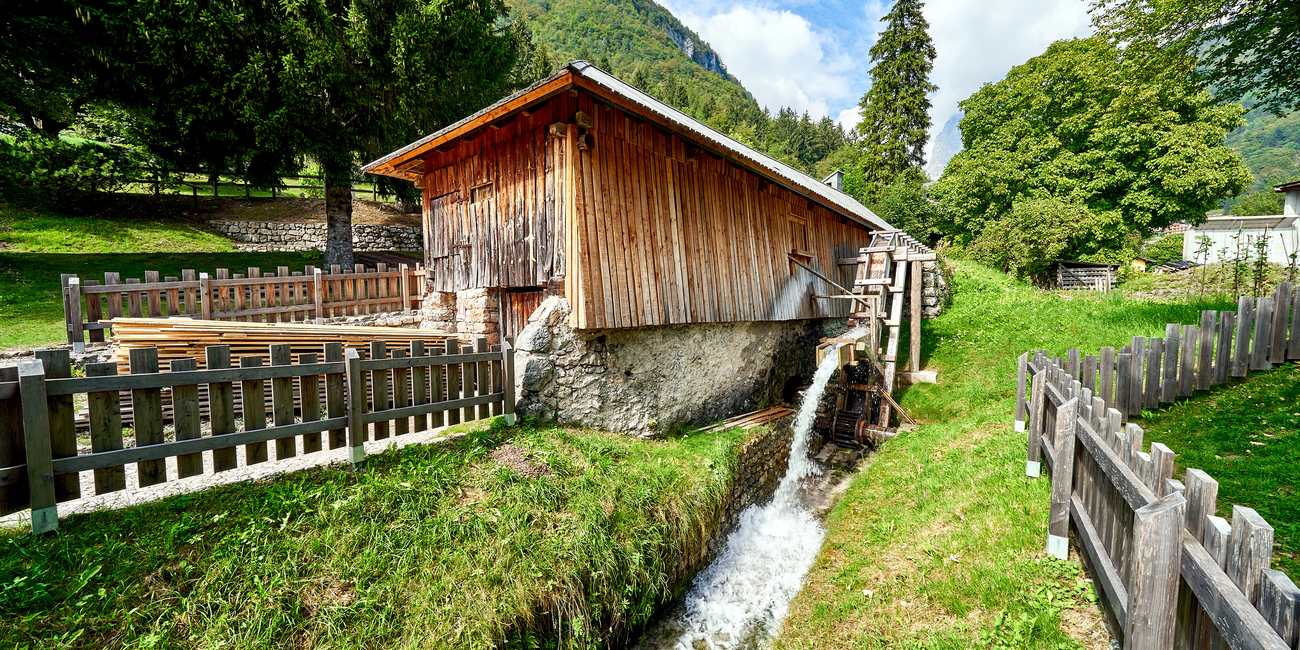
750 420
186 338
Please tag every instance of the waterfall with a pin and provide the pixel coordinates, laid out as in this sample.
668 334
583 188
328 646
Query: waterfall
740 600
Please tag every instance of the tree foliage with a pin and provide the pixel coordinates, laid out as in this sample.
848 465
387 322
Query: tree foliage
1165 249
896 110
1259 204
1123 144
1245 47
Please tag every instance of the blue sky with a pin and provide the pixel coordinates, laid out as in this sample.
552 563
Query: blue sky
814 55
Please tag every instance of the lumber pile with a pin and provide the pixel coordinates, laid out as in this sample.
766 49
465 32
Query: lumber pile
187 338
750 420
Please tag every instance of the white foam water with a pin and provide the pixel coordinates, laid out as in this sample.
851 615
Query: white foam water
740 600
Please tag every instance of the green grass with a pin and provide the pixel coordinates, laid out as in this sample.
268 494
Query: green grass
944 519
430 547
1246 435
39 245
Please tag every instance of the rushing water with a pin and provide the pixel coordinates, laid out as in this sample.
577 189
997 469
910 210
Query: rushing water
740 600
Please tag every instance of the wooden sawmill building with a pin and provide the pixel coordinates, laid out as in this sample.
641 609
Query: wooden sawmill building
639 214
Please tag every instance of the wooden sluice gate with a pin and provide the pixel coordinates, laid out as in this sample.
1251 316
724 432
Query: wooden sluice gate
888 271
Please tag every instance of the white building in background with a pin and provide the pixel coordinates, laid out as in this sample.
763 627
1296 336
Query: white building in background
1283 231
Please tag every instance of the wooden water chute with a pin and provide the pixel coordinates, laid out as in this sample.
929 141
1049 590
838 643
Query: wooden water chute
888 272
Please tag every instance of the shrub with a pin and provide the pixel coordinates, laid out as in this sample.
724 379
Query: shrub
1165 249
1033 235
37 168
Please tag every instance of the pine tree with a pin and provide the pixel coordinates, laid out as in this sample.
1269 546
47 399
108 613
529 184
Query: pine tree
896 110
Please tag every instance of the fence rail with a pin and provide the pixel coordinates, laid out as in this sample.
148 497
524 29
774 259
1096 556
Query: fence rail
310 294
352 397
1173 574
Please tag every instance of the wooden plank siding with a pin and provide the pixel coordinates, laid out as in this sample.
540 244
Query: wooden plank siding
646 228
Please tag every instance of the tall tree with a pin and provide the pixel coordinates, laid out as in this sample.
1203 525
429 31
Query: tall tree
896 110
1245 47
1113 145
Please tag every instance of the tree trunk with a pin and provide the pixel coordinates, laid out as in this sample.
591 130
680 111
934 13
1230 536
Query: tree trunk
338 214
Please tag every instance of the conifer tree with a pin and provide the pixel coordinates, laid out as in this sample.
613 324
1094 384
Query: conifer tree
896 110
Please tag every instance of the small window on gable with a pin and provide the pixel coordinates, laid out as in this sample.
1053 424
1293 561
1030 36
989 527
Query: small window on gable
481 193
798 233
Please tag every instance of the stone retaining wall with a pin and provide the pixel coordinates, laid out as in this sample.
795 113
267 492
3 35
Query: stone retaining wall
266 236
649 379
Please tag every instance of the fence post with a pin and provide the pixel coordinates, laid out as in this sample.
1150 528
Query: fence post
1058 523
508 381
76 333
318 291
356 409
1034 466
1154 566
205 296
406 287
40 452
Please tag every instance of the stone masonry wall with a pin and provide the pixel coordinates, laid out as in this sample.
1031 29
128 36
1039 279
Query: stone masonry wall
934 291
649 379
265 236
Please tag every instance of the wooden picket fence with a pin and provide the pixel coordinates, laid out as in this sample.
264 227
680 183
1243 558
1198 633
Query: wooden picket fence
1173 574
345 400
283 296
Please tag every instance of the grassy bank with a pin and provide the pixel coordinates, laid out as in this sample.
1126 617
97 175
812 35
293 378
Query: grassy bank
431 547
37 245
940 543
1247 436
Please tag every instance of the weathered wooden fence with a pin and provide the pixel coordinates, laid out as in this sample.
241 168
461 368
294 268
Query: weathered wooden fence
1173 574
313 405
283 296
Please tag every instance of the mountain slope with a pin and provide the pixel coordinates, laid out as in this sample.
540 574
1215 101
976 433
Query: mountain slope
1270 145
644 44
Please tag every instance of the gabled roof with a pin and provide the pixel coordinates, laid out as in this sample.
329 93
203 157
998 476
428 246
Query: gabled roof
589 77
1287 187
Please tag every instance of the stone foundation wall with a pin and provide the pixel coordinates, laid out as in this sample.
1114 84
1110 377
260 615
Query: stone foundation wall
266 236
649 379
473 312
935 293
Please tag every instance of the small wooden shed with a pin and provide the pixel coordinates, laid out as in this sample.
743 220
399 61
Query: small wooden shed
639 214
1086 276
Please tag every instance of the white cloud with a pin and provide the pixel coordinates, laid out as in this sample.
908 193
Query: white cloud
850 117
777 54
979 41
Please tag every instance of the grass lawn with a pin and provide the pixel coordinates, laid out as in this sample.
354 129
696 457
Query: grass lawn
1247 436
940 543
37 245
430 547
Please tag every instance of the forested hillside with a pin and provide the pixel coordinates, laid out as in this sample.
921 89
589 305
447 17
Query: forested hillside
1270 145
645 45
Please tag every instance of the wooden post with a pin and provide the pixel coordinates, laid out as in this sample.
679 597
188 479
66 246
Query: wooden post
1293 345
437 386
1202 497
282 401
1106 381
1072 363
1279 602
508 380
1241 351
1169 389
1281 315
1033 466
1136 385
1124 368
61 420
105 428
76 333
1250 550
1155 354
1154 561
221 407
1262 335
1187 373
1058 523
336 395
1205 365
309 389
379 387
401 394
252 402
419 386
205 296
406 288
318 291
146 417
483 378
914 343
185 417
40 456
1022 372
356 408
